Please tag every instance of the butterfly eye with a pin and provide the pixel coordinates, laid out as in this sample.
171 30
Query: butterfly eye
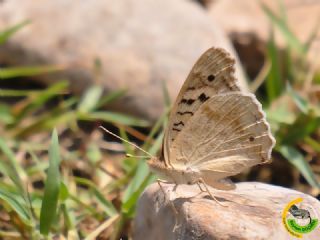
211 78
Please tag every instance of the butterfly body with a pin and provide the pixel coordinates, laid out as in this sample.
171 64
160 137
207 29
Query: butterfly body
183 175
215 130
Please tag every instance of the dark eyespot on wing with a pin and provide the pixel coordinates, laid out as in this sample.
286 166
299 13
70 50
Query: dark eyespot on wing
186 112
203 97
251 139
179 123
187 101
211 77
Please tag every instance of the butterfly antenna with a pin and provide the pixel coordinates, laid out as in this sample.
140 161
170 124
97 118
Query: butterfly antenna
120 138
135 156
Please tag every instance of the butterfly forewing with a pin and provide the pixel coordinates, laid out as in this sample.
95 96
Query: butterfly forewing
213 73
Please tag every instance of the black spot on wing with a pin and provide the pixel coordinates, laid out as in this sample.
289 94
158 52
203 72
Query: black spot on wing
211 77
191 88
176 129
203 97
179 123
186 112
187 101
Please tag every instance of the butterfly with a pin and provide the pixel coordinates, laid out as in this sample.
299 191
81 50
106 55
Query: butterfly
215 130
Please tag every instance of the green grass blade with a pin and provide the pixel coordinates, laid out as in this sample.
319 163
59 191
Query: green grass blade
313 143
12 169
90 99
6 34
303 126
155 129
108 207
128 207
140 176
110 97
166 95
129 163
281 114
140 180
301 103
296 158
274 85
11 200
12 72
38 99
52 187
113 117
6 117
280 23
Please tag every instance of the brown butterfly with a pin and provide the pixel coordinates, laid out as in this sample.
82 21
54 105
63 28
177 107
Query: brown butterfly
215 130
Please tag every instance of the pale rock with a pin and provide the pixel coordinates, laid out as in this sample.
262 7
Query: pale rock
140 44
252 211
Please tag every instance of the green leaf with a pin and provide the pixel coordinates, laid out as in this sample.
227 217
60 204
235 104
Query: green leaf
303 126
52 186
297 159
90 99
113 117
6 34
281 114
63 192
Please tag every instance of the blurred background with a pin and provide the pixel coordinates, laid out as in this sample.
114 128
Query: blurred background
75 65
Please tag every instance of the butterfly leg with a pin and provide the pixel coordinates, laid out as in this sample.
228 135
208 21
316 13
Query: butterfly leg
175 211
159 181
199 185
207 190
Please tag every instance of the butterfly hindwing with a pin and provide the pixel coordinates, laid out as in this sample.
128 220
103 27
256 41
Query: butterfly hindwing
227 134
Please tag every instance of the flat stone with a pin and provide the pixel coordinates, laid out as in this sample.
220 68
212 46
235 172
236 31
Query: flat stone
252 211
